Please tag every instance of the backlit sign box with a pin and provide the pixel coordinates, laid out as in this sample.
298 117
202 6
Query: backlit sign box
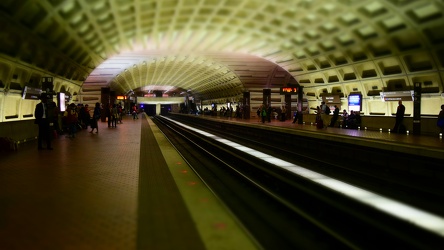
397 96
61 100
289 90
331 99
31 93
355 102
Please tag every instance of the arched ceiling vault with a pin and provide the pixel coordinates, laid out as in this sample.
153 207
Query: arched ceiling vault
220 48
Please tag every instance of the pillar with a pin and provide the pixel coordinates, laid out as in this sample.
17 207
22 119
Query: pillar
158 93
266 98
417 108
158 109
300 100
288 106
105 99
246 105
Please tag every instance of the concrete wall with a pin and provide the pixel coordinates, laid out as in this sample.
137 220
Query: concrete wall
18 132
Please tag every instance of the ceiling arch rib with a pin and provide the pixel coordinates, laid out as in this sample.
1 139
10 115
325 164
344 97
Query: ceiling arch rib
308 39
204 75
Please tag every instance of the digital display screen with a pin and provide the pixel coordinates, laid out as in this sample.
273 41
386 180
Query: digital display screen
354 102
61 101
289 90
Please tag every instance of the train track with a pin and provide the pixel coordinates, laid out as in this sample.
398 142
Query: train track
415 190
284 210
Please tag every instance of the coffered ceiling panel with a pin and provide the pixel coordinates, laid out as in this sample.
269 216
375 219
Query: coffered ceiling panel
220 48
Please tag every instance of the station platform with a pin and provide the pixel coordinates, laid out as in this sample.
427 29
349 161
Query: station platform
123 188
428 146
128 188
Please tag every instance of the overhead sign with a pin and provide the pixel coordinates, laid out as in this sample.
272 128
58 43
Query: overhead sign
289 90
47 79
31 93
331 99
397 96
47 84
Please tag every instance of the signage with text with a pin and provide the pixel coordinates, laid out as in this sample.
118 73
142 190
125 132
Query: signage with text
331 99
47 84
31 93
289 90
397 96
355 102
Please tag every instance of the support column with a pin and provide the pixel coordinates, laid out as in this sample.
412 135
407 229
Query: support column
266 99
187 104
158 109
246 105
112 97
105 99
158 93
288 107
300 100
417 108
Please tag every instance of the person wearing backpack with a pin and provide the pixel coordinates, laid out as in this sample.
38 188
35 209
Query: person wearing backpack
263 113
72 119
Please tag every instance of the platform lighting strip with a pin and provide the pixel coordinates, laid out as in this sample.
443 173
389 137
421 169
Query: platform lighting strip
400 210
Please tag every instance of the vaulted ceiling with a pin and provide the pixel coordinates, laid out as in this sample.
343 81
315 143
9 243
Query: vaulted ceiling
220 48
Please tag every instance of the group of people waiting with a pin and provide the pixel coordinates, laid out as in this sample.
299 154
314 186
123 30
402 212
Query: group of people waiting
79 117
266 112
114 114
52 122
323 120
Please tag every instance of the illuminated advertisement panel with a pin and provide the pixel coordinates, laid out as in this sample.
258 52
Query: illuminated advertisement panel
355 102
61 101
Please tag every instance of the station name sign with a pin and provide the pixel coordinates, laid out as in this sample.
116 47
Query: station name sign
397 96
289 90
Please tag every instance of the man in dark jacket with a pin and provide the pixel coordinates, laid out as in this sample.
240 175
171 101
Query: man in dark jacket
335 116
399 117
41 119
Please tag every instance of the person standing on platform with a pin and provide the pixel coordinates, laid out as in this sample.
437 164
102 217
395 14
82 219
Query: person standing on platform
135 116
263 113
107 110
335 116
325 112
344 118
114 114
269 111
119 113
258 112
283 114
440 122
41 119
399 117
72 119
95 118
319 120
295 116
